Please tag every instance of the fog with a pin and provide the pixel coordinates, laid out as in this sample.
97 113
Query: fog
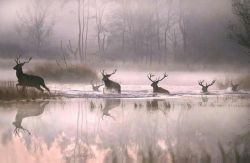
181 31
124 81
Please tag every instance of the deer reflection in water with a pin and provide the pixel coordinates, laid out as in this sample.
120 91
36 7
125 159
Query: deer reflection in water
158 105
110 104
30 110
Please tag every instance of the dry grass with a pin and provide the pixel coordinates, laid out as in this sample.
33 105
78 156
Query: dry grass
72 73
245 82
9 92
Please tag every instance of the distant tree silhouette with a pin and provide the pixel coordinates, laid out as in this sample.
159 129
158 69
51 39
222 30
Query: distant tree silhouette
34 25
241 32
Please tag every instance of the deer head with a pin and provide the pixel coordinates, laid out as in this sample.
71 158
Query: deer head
234 86
156 81
105 76
19 64
205 87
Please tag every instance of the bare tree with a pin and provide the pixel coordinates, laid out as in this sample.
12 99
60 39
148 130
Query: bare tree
241 32
82 18
35 26
143 30
101 31
182 25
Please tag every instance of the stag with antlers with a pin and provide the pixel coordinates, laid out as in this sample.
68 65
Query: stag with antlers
95 87
234 87
109 84
205 87
26 80
156 88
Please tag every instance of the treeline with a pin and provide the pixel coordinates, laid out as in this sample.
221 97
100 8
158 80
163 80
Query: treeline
125 30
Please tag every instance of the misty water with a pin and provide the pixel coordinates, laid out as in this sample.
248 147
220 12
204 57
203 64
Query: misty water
136 126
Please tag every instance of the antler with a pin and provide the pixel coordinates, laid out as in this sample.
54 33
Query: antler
112 73
28 60
24 129
164 76
201 83
102 72
91 82
95 85
150 77
17 59
16 131
208 85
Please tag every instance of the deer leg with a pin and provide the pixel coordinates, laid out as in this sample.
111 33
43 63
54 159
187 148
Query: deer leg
17 132
44 86
23 90
17 86
25 130
119 90
39 88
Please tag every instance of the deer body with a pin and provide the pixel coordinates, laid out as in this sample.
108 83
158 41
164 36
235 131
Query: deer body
156 88
26 80
109 84
109 105
35 109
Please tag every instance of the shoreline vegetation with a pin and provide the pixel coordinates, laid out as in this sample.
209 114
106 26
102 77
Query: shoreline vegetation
8 92
66 73
8 63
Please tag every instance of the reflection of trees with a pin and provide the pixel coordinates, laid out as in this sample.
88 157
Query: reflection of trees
142 136
149 136
158 105
82 150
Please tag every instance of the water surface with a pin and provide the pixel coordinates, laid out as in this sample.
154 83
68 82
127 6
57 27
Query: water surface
186 129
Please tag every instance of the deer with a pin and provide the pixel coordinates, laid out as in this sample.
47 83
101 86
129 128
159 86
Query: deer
156 88
35 109
95 87
110 104
109 84
205 87
234 87
26 80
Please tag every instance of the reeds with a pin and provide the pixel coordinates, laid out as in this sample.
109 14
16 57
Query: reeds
8 91
70 73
